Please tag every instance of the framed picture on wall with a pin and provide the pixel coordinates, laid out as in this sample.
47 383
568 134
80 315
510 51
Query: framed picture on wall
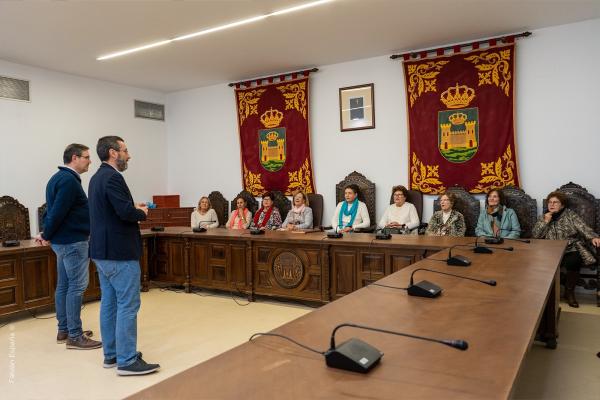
357 107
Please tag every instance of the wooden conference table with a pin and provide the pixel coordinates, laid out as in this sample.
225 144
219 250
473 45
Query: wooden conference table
498 322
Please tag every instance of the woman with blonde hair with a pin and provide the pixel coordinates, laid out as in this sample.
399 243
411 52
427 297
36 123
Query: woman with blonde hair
300 216
204 216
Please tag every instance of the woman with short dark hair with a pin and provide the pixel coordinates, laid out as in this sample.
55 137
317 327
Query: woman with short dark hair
497 220
447 221
400 214
241 217
267 217
561 223
351 213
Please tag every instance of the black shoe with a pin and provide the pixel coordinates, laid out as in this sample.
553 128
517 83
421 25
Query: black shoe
112 362
139 367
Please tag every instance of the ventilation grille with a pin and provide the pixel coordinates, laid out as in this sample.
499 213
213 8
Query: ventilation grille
149 110
16 89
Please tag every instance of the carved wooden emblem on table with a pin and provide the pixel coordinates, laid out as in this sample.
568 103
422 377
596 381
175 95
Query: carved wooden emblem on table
288 270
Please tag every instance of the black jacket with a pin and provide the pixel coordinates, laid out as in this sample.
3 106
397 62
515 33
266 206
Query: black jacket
115 233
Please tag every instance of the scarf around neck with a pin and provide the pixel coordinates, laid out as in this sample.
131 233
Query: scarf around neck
236 215
351 211
266 218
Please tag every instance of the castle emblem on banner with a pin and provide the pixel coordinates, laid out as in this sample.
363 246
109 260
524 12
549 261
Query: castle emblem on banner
271 141
458 127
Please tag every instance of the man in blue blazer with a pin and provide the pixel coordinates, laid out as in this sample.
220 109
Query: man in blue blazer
116 247
67 230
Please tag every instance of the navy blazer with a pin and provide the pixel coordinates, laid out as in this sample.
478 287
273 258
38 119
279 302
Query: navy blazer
115 233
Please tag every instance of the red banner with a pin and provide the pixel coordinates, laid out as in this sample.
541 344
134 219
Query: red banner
461 121
274 137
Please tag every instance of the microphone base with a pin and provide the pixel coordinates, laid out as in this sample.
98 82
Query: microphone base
334 235
494 240
353 355
424 289
482 250
199 230
157 228
458 261
383 236
257 232
11 243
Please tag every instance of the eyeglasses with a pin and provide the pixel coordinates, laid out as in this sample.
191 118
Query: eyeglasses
398 194
554 202
86 157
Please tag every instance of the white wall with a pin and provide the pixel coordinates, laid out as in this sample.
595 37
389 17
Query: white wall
557 108
66 109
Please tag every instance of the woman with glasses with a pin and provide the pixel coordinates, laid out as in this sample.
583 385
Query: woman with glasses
497 220
300 216
560 223
267 217
400 214
447 221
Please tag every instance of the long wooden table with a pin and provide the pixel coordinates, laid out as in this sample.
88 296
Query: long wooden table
499 323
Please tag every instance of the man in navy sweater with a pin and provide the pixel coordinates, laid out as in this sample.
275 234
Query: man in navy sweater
116 248
67 228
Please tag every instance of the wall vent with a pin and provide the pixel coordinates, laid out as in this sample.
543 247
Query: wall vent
147 110
15 89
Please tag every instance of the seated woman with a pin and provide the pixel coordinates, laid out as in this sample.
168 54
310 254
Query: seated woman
300 216
241 217
497 220
267 217
204 216
561 223
400 215
447 221
350 214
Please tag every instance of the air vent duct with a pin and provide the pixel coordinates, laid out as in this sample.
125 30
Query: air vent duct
149 110
15 89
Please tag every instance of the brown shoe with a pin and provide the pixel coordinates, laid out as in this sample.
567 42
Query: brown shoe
83 343
61 337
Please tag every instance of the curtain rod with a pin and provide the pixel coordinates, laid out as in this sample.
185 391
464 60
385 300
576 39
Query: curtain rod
273 76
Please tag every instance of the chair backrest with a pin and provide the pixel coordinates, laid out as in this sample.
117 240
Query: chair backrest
283 204
41 213
366 193
583 203
415 198
466 204
219 204
251 202
524 206
14 220
315 202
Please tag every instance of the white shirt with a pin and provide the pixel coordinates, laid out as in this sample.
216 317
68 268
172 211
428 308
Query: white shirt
208 220
361 220
406 214
446 215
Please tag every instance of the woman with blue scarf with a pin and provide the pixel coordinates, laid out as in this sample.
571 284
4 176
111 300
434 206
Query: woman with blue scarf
351 214
497 220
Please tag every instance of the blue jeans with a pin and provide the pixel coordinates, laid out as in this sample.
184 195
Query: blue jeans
119 305
73 276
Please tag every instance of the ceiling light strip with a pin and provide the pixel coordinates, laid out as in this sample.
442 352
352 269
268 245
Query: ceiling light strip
215 29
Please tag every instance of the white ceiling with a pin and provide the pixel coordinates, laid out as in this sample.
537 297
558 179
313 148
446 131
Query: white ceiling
67 36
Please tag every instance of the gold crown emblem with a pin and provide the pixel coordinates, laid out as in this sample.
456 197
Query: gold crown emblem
272 136
271 118
457 96
457 118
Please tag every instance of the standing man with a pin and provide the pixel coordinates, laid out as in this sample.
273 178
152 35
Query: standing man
67 229
116 248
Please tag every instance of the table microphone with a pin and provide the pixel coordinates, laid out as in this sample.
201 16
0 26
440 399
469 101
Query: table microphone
499 240
487 250
335 233
358 356
382 234
200 228
428 289
457 261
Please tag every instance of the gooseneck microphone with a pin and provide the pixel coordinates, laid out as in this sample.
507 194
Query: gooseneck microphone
488 250
200 228
457 261
358 356
428 289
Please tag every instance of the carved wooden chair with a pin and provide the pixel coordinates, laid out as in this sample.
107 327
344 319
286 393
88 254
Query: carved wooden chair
524 206
315 202
466 204
41 213
251 202
219 204
588 208
14 220
283 204
366 194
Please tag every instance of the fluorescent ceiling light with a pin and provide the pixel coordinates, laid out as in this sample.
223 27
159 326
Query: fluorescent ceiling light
215 29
